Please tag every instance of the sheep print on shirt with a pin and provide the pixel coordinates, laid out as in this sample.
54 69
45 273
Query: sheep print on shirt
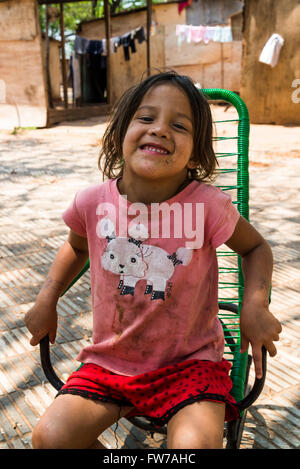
154 275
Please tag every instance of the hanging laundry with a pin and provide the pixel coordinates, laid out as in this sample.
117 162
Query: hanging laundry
218 34
81 44
140 35
95 47
196 34
127 41
226 34
88 70
203 32
180 33
209 34
271 50
184 4
116 43
200 33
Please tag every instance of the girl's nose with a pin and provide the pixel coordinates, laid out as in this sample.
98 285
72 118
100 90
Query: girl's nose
160 130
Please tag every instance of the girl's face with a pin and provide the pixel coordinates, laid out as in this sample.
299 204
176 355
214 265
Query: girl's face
159 140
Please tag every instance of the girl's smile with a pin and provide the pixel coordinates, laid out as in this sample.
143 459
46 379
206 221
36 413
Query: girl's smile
153 148
158 144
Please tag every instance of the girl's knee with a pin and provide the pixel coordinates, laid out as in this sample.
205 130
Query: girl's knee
189 438
197 426
46 437
39 438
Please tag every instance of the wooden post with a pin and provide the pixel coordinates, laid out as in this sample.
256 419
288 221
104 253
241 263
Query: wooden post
63 55
222 52
222 66
149 22
48 80
107 34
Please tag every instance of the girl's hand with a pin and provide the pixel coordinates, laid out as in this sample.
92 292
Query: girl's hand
41 320
259 328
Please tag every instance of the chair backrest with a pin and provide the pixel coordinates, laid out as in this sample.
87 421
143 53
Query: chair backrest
232 148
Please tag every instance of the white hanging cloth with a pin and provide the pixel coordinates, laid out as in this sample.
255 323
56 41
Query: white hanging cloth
200 33
270 53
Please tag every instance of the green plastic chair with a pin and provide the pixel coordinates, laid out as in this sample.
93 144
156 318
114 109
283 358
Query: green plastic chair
231 285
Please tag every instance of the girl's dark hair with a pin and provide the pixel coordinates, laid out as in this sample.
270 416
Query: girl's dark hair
111 157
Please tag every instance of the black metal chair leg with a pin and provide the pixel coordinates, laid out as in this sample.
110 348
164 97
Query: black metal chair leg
235 432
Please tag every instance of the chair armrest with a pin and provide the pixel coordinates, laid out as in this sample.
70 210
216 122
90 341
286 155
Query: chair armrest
257 386
44 343
57 383
46 364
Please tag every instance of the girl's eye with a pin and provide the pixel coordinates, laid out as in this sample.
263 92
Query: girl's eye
146 118
111 256
133 260
179 126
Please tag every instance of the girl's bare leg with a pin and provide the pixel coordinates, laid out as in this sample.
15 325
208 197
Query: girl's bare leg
197 426
74 422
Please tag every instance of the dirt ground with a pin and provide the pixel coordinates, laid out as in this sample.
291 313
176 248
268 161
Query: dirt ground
272 141
40 170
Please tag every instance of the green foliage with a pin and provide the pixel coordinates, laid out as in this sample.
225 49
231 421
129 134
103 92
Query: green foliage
75 13
18 130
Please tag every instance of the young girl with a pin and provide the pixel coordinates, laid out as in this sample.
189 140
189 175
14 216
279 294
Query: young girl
151 231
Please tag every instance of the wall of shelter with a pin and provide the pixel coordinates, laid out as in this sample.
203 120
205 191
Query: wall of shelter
23 99
212 65
271 92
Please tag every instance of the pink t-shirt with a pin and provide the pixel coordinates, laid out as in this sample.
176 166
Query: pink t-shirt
154 275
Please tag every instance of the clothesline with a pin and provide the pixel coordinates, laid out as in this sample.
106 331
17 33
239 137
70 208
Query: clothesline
95 56
83 45
202 33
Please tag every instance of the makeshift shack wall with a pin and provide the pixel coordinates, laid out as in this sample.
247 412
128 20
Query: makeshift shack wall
271 93
22 88
212 65
126 73
216 64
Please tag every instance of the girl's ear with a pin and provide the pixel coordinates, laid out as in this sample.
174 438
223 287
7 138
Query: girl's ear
191 164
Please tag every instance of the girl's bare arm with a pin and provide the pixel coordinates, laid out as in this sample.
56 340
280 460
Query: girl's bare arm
41 319
258 325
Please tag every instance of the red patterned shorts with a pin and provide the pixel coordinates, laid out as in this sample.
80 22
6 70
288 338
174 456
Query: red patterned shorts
157 394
